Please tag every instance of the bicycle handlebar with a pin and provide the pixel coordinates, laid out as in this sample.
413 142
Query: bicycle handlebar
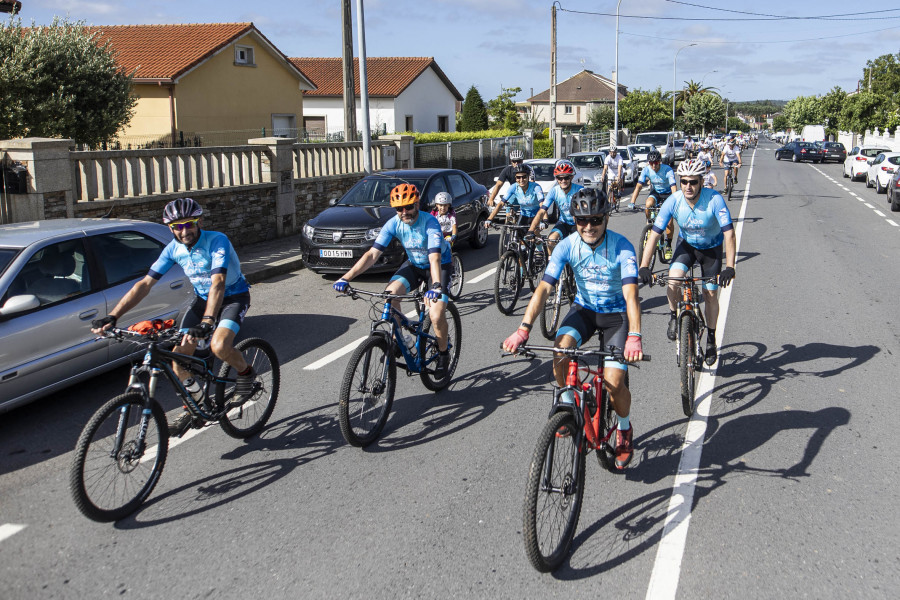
664 279
611 352
354 294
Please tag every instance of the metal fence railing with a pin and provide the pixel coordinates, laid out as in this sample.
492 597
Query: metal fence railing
593 141
471 156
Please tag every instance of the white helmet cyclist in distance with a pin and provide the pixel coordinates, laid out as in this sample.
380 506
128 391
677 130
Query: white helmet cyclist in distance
516 155
613 148
691 168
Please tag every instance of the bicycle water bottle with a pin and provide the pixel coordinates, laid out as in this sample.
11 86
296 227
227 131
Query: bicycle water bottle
194 389
410 342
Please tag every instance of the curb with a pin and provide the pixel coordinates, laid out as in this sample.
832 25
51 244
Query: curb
273 270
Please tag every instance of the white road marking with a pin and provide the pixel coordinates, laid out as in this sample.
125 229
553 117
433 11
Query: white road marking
893 223
334 355
482 277
867 205
667 566
879 213
7 530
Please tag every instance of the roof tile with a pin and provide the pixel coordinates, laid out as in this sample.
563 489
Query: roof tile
388 76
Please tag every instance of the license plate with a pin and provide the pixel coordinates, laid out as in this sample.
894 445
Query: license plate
336 253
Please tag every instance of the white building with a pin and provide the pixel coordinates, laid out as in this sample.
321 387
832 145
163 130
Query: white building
405 94
576 97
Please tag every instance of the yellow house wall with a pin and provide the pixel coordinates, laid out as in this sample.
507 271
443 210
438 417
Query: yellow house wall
151 115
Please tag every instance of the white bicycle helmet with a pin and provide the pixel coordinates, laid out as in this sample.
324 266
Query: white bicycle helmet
691 168
516 155
613 148
443 198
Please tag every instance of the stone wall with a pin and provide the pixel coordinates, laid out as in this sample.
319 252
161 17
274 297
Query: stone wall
312 195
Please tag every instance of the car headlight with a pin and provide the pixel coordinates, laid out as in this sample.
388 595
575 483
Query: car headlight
308 231
373 233
598 177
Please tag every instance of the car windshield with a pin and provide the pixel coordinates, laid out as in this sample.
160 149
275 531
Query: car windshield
835 145
588 161
659 139
679 143
6 256
376 190
640 149
542 171
871 152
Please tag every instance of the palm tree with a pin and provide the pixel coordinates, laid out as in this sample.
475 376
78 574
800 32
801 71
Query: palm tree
692 88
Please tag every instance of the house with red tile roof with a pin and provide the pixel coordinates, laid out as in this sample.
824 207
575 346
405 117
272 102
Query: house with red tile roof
405 94
576 97
203 77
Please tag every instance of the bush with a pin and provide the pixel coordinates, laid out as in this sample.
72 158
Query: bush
543 149
456 136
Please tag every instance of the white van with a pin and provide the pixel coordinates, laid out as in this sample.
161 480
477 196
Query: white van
813 133
663 142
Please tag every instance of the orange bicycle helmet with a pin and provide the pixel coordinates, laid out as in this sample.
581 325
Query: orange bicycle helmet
404 195
563 167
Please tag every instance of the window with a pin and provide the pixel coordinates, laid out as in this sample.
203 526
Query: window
409 123
54 273
568 109
457 185
434 186
243 55
125 255
314 126
443 123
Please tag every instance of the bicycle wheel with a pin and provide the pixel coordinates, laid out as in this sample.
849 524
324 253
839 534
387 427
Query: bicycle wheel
114 468
645 236
454 337
687 350
251 415
553 493
457 278
729 184
552 310
503 240
606 455
367 391
507 282
536 270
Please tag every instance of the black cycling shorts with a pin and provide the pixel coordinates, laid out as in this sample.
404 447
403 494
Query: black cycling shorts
659 196
412 276
231 315
581 323
564 229
710 260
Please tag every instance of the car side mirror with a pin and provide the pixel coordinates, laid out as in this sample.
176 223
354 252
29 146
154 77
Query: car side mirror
19 304
333 201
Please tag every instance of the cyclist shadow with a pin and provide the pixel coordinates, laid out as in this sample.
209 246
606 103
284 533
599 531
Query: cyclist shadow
291 335
470 303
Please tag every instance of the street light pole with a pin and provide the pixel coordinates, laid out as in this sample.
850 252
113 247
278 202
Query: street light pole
616 78
675 83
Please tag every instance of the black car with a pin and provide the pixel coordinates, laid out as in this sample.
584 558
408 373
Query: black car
833 151
333 240
798 151
893 191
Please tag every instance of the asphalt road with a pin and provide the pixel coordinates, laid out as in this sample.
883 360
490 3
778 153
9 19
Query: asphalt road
793 492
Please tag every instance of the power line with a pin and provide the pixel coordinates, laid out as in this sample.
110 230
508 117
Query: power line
790 41
656 18
741 12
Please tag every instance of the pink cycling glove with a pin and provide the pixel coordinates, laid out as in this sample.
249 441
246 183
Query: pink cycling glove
633 346
513 342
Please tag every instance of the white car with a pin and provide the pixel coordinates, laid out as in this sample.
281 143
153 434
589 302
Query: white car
857 163
639 154
629 169
881 170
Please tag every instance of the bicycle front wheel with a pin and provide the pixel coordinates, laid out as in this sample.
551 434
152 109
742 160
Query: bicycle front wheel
250 416
115 467
606 455
687 351
457 278
367 391
502 241
552 310
507 282
454 339
645 237
553 493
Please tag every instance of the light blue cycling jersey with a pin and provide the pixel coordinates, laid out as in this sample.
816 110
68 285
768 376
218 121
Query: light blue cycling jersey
701 226
419 239
212 254
528 200
563 201
662 180
599 273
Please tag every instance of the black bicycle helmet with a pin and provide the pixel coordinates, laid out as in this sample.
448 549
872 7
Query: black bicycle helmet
654 156
522 168
590 202
181 208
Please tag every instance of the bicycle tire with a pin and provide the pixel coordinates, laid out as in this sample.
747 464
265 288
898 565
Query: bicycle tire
365 403
606 456
503 241
645 235
457 278
549 536
552 310
507 282
537 266
94 473
687 352
454 337
251 416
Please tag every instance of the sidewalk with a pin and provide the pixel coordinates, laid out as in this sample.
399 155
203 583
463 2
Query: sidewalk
271 258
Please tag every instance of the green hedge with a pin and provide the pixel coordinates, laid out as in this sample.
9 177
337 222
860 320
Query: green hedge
428 138
543 149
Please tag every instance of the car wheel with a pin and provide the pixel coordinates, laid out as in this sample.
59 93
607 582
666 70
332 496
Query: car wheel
844 173
480 236
794 158
868 183
879 189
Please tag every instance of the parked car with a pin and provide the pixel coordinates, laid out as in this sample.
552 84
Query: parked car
893 191
589 165
333 240
56 276
679 150
663 140
881 170
639 154
833 151
857 163
629 169
797 151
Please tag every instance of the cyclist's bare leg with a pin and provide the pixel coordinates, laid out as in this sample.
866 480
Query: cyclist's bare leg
188 348
396 287
439 320
222 345
561 363
651 202
711 299
552 241
619 395
672 291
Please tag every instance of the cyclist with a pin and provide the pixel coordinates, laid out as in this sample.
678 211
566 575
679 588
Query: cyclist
662 180
605 269
730 158
508 174
221 301
613 163
446 216
688 148
704 228
526 194
709 179
562 193
704 155
428 259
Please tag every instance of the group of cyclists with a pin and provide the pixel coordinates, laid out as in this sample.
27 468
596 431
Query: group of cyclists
605 266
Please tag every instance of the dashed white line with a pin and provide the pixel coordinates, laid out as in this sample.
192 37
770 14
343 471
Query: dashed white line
334 355
7 530
879 213
481 277
867 205
892 223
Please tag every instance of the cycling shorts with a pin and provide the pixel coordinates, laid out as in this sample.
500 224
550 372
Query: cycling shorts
709 259
659 196
581 323
564 229
231 315
412 276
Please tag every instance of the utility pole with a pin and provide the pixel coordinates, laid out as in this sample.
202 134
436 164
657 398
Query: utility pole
553 76
364 88
349 88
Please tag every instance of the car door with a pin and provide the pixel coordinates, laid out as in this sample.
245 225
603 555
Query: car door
123 258
872 170
47 346
462 203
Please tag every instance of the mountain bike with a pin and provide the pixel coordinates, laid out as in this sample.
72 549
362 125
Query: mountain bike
120 454
367 389
457 277
555 485
563 293
660 242
525 258
510 218
729 182
688 340
613 192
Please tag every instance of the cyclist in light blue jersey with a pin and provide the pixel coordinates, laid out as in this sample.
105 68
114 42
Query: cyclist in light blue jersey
429 259
606 276
561 193
526 195
662 185
704 228
221 302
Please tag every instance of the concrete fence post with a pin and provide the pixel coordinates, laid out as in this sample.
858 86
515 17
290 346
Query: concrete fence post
529 142
50 183
406 155
278 167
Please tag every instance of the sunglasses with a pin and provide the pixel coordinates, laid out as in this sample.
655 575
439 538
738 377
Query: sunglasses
521 177
183 226
564 178
654 162
690 182
589 220
407 208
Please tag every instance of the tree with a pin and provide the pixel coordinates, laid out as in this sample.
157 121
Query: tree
601 118
735 123
645 111
61 81
474 115
704 111
531 121
803 110
885 71
831 105
692 88
865 110
502 110
780 123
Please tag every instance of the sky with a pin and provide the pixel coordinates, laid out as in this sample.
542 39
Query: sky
495 44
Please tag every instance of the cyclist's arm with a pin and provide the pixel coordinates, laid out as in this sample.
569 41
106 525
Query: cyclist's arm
215 296
730 248
633 308
536 221
362 265
494 191
637 189
649 249
434 261
500 202
537 303
131 299
619 173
